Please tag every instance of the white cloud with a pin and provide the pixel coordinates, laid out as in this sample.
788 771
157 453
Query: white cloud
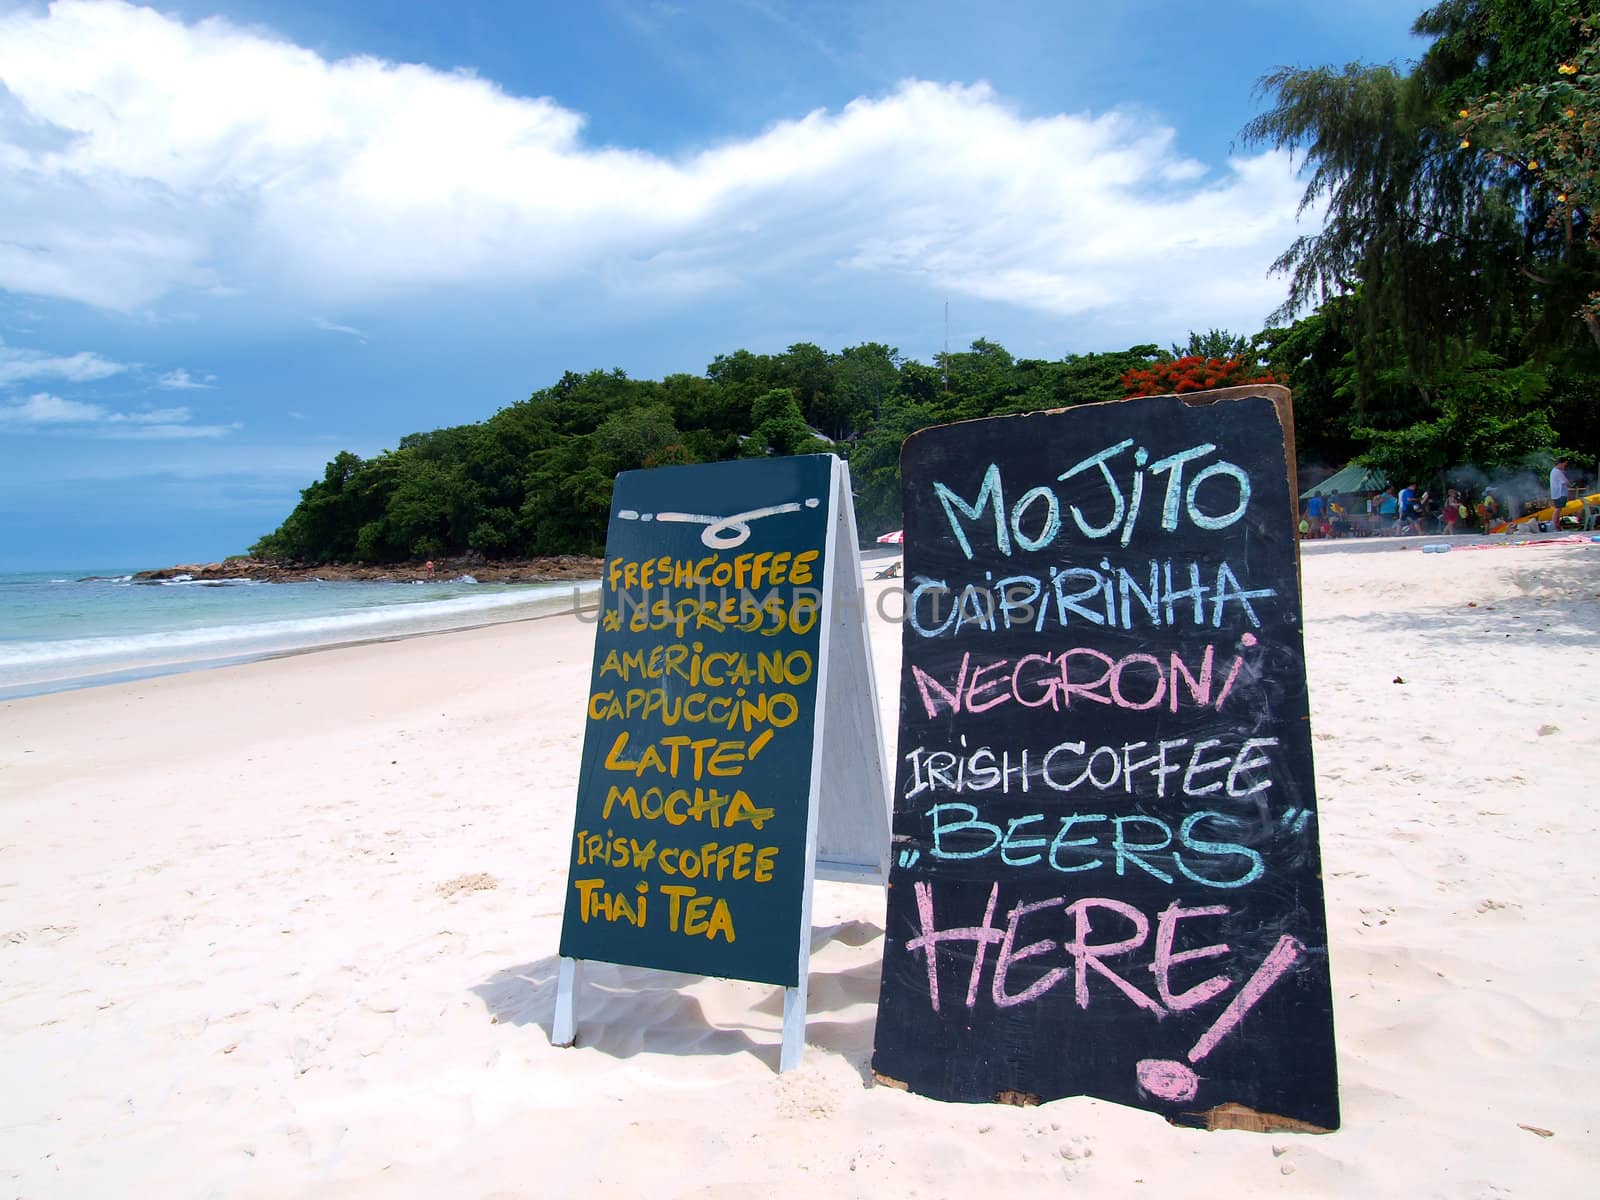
331 327
45 409
18 364
213 157
44 412
153 416
180 380
163 432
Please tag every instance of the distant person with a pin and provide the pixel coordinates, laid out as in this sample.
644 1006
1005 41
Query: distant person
1407 501
1338 519
428 566
1452 512
1389 506
1558 492
1489 509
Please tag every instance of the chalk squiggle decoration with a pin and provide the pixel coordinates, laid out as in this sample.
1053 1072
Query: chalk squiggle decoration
720 533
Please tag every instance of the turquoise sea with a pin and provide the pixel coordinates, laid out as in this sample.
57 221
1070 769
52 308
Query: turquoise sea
80 628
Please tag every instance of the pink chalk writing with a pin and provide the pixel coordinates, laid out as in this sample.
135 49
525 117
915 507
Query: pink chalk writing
1177 1081
1137 682
1272 968
1100 935
1169 1080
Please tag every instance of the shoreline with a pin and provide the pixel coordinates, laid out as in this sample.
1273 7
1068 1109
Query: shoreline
871 558
235 636
188 666
559 568
1311 549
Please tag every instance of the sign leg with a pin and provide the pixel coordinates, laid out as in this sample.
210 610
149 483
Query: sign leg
564 1030
794 1027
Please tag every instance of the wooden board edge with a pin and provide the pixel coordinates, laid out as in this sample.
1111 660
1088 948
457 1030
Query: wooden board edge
1014 1098
1233 1115
1017 1099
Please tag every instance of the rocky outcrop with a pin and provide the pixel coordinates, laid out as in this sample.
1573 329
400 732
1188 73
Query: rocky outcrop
560 568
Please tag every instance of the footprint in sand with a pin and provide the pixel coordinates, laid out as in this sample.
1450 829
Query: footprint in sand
478 881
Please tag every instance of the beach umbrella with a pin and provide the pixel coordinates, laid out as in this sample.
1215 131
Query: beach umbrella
896 537
1354 479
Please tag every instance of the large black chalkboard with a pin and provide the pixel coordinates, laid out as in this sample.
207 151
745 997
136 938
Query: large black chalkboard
1106 878
689 848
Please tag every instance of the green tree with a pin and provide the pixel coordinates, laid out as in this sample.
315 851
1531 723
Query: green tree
866 375
1214 343
875 458
809 372
1488 415
639 437
1447 245
779 427
1546 130
1088 378
1316 360
980 381
1177 375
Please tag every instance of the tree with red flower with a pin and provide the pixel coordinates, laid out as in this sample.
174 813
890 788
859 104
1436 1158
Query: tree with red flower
1192 373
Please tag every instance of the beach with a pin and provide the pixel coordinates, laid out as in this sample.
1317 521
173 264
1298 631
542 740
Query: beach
289 928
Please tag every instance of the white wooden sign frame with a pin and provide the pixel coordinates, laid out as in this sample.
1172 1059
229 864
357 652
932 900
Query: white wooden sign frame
848 813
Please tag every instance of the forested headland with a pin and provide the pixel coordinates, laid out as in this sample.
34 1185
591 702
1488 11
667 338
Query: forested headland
1444 320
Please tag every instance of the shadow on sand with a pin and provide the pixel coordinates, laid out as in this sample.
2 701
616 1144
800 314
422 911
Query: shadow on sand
623 1011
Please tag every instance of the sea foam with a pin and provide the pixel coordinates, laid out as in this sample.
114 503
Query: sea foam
38 665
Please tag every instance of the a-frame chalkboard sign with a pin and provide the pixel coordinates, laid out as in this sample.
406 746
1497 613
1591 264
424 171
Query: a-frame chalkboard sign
733 751
1107 879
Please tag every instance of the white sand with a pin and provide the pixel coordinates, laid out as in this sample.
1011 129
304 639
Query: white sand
288 929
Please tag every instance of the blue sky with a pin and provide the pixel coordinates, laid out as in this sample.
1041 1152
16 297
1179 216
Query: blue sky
238 237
